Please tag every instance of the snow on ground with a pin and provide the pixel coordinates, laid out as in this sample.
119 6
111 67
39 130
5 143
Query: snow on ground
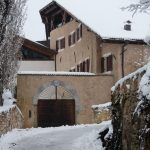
80 137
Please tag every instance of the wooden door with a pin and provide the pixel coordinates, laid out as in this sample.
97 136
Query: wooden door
56 112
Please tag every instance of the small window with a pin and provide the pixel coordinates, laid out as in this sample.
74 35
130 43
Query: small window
60 44
106 63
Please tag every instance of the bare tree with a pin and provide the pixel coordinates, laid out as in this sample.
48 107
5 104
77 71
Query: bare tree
141 6
12 13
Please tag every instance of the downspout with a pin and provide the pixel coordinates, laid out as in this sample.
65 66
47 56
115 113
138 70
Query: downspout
55 63
122 57
55 71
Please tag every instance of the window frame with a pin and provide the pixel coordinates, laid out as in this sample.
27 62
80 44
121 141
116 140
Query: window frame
72 39
60 44
107 63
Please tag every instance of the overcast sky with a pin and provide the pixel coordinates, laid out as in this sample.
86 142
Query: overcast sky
34 29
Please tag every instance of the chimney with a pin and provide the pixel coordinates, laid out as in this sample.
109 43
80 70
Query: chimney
127 25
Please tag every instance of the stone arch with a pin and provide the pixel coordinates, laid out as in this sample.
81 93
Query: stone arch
57 83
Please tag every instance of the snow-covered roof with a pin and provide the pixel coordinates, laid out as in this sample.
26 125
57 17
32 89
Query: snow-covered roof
106 18
52 73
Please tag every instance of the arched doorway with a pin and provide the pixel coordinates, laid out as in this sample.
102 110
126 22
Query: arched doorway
57 104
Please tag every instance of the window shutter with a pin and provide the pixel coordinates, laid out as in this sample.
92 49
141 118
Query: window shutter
69 40
80 30
78 34
83 65
78 68
109 63
74 37
63 43
57 45
102 64
88 65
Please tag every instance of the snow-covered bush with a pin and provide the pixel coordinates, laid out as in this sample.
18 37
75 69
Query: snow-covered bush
8 98
143 108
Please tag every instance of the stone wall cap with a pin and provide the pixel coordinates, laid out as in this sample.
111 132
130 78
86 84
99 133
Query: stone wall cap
53 73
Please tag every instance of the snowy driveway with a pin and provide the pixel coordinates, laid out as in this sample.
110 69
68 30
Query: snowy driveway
83 137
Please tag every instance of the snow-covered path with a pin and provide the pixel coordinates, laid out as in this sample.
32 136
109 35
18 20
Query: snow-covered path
83 137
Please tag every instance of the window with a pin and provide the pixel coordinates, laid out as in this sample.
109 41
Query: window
60 43
84 66
79 32
72 38
106 63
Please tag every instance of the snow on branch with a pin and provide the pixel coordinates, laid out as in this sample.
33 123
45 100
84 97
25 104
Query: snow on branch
12 14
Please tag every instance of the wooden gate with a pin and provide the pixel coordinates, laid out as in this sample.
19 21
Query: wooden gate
53 113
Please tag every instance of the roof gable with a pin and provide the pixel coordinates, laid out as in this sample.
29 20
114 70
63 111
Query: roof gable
106 18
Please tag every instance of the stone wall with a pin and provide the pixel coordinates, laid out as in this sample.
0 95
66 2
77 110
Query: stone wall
85 90
10 119
102 112
128 129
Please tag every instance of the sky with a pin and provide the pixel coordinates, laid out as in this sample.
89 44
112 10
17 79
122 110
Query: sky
34 29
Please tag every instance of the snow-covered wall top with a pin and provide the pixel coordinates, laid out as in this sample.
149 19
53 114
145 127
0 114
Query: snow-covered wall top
59 73
106 18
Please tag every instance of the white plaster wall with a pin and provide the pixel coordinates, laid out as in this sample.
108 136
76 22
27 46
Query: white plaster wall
36 66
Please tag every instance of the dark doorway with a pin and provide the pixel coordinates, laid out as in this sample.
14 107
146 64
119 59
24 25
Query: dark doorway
52 113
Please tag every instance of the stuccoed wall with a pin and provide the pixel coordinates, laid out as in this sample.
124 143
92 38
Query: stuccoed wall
10 119
128 129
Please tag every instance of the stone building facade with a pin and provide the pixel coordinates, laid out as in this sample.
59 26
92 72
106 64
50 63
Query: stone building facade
78 48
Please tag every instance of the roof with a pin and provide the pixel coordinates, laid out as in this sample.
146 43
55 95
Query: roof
106 18
38 47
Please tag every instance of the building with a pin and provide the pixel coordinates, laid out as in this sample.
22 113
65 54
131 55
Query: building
36 57
90 58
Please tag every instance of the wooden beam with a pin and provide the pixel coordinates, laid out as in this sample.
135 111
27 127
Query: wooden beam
57 12
39 48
